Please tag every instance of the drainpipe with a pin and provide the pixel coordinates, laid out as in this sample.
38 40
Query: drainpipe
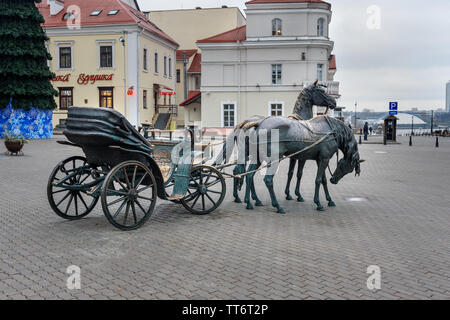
185 75
124 74
239 84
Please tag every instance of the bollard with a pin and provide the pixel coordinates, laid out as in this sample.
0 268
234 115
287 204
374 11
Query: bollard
385 140
437 142
410 141
360 140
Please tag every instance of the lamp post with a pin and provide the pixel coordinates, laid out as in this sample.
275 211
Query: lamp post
356 104
122 40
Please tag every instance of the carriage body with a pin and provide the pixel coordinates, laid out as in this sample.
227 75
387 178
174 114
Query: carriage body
123 169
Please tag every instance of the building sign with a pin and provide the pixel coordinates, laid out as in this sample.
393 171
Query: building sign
85 79
64 78
131 91
166 93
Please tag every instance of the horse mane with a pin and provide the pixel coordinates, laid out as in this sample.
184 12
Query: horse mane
343 134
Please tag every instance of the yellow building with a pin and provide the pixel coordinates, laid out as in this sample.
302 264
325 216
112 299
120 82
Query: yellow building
108 54
187 26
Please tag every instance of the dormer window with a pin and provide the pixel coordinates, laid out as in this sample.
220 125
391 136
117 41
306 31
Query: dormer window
276 27
113 12
321 27
96 13
68 15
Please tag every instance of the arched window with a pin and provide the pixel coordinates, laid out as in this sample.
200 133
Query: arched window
276 27
321 27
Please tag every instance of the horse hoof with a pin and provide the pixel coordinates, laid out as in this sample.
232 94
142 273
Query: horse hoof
281 211
320 208
259 204
300 199
289 198
331 204
250 207
237 200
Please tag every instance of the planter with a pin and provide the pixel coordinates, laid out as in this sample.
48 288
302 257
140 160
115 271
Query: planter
14 146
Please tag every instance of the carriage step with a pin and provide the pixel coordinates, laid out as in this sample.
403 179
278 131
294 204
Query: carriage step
175 198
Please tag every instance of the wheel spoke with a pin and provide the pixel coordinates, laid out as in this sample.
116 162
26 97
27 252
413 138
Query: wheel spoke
142 179
116 192
120 209
134 177
145 188
196 199
68 205
126 178
76 204
213 191
59 191
82 200
65 197
117 201
203 201
120 182
133 209
140 206
207 195
145 198
213 183
127 210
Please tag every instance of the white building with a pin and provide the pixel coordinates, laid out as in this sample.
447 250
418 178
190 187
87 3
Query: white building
447 99
260 68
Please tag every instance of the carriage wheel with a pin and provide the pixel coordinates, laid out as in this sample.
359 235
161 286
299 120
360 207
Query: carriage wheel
129 195
206 190
65 191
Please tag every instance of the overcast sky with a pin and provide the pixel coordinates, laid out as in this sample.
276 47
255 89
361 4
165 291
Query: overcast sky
406 60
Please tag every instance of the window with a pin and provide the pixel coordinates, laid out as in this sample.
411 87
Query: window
228 115
276 74
106 57
320 72
96 12
65 98
65 57
320 27
276 27
165 66
106 97
197 83
113 12
156 62
144 99
303 56
170 67
145 60
178 75
276 109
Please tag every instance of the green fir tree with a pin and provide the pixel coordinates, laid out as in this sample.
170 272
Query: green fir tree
24 73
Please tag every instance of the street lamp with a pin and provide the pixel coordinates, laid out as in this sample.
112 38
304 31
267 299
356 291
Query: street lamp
122 40
356 104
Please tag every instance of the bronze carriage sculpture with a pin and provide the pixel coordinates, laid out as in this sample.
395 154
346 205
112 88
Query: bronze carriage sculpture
121 170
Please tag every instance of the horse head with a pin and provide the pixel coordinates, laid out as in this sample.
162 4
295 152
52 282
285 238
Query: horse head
351 162
319 96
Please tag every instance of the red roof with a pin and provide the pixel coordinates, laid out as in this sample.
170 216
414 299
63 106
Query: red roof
192 95
333 62
125 15
196 65
285 1
235 35
189 54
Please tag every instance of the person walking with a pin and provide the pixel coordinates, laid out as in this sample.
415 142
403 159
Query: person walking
366 131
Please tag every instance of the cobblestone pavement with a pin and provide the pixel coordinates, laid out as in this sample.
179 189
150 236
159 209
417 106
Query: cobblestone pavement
403 228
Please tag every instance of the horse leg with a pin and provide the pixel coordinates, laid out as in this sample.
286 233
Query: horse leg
301 165
235 191
327 194
321 166
248 185
258 202
268 179
287 191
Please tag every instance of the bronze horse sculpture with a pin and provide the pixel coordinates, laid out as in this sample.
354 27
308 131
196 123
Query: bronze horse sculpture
296 139
303 110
